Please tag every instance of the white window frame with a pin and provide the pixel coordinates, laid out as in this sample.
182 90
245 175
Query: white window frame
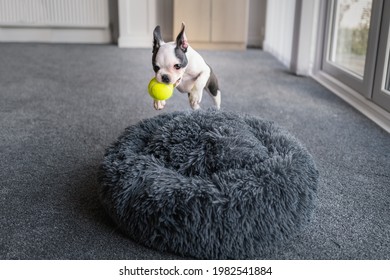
357 98
381 95
364 84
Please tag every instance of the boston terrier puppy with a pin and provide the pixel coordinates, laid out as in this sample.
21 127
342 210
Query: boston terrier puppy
178 64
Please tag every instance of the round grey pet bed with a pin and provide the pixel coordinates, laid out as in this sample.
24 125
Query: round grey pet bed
208 184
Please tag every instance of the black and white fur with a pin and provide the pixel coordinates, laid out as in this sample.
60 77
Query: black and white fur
178 64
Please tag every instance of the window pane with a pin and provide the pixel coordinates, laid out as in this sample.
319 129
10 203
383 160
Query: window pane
351 23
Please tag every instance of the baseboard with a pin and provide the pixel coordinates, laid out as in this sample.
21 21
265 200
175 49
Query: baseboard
375 113
55 35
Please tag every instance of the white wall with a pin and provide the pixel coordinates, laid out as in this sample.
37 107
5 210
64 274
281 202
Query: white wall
305 37
164 17
89 21
291 30
139 17
256 26
279 29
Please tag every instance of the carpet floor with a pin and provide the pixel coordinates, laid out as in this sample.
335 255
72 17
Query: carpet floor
62 105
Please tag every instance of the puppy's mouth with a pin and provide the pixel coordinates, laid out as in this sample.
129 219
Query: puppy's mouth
177 82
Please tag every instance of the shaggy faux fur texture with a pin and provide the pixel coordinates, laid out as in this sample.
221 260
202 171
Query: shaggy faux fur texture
208 184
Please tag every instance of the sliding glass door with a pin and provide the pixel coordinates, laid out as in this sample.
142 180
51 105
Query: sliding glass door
356 50
349 35
351 42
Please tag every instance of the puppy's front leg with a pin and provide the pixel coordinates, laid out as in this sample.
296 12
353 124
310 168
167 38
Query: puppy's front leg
159 104
195 96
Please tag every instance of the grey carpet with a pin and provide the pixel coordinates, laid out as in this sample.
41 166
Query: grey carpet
62 105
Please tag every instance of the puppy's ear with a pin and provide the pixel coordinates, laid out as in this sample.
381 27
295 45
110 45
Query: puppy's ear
181 39
157 38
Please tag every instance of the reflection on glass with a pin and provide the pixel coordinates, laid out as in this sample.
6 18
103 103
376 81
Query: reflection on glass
351 23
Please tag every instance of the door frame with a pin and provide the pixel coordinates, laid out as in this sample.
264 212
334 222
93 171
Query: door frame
381 96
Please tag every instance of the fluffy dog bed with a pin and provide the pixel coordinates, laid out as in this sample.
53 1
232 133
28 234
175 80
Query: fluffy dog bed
208 184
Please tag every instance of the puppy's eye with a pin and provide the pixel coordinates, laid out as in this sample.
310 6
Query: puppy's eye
177 66
156 68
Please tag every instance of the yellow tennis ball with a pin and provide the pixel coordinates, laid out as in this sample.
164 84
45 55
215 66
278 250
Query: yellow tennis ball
159 91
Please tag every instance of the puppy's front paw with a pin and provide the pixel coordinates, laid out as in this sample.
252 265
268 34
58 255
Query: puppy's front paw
194 101
195 105
159 104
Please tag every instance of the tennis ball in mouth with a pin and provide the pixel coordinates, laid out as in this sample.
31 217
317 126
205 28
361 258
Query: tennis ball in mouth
160 91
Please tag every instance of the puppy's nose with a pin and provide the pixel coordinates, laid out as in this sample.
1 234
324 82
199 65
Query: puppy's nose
165 79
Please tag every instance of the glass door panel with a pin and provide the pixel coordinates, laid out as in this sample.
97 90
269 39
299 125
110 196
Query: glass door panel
351 36
351 23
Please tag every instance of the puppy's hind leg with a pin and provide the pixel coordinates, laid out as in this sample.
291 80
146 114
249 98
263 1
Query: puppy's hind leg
213 89
217 99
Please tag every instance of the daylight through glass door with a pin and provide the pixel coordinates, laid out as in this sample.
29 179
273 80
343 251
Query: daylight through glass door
349 39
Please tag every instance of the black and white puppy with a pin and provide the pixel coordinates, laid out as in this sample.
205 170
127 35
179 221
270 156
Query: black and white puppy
178 64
